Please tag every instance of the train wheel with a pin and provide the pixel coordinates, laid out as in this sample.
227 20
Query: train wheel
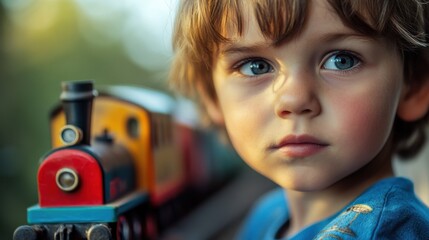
99 232
137 227
123 229
25 233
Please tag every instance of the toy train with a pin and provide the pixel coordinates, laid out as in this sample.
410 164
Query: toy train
125 164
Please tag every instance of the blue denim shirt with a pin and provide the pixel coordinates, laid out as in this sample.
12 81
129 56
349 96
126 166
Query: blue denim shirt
387 210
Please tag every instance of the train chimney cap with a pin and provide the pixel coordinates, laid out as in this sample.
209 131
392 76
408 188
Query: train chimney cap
78 90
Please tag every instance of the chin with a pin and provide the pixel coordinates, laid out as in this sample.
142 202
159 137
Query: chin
306 184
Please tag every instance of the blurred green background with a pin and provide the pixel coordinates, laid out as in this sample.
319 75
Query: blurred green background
45 42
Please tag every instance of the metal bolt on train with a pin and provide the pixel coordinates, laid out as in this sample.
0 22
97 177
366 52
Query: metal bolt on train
125 163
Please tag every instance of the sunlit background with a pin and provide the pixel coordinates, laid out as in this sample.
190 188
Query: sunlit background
45 42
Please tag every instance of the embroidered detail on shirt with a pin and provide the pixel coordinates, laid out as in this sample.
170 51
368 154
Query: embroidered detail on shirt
360 208
344 221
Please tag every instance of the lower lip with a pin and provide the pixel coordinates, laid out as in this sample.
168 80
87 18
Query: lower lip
301 150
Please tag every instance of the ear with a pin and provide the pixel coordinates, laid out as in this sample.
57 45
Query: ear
415 102
211 105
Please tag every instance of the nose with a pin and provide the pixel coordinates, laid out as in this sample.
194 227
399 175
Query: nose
296 95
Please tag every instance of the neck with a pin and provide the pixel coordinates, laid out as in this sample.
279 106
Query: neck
307 208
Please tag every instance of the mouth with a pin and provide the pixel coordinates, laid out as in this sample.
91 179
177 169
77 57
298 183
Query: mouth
299 146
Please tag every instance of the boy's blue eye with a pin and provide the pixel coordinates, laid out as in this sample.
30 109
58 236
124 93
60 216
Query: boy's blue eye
341 61
255 67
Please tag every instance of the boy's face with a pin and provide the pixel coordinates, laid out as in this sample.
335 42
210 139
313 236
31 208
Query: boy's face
313 110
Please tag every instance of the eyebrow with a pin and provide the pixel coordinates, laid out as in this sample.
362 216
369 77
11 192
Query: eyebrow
239 48
333 37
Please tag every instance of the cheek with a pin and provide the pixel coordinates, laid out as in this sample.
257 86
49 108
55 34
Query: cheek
365 121
243 135
245 122
243 126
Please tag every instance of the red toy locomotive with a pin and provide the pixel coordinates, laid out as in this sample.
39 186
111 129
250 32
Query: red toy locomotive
125 164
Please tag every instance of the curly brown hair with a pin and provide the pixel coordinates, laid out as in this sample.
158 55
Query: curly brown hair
200 29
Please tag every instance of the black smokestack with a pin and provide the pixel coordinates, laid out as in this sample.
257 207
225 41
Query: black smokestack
77 98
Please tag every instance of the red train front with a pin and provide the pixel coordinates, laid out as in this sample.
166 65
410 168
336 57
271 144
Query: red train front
81 173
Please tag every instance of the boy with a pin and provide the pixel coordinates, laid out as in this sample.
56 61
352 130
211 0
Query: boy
316 95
